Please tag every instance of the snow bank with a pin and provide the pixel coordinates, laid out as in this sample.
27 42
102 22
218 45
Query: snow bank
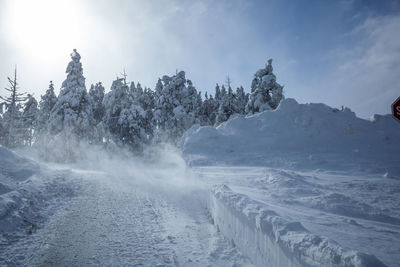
269 240
308 134
13 171
25 192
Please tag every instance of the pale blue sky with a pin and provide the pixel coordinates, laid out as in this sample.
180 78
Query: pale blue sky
336 52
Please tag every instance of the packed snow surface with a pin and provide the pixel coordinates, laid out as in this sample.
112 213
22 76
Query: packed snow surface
107 212
324 183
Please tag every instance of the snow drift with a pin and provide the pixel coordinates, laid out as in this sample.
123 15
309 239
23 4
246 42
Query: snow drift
297 136
270 240
26 195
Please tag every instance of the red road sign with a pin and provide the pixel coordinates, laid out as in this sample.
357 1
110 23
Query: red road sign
396 109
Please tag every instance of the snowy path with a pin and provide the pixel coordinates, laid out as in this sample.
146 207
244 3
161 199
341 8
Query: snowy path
113 222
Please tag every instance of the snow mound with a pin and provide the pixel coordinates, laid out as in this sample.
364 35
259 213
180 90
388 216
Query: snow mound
25 192
270 240
15 167
308 134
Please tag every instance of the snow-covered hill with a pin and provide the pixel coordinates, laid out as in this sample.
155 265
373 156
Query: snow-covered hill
299 136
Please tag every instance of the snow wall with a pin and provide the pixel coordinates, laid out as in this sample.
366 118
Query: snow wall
268 240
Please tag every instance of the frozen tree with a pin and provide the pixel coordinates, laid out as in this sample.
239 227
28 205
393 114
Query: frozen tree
125 119
147 105
96 96
11 117
226 106
223 93
142 110
208 115
71 119
46 104
217 94
216 103
114 102
241 99
72 112
266 93
29 115
175 109
131 127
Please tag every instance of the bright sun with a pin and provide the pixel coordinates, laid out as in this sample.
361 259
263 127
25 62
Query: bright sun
45 27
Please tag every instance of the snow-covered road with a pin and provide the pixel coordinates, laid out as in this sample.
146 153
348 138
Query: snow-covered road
116 220
156 211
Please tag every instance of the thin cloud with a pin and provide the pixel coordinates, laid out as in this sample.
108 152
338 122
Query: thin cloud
369 72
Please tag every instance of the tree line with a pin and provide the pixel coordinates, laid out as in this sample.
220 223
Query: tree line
128 115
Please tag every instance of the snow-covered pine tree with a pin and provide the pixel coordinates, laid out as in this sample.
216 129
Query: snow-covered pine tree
216 104
266 93
198 109
71 119
125 119
207 116
144 98
114 102
147 105
217 95
29 116
46 104
223 93
226 107
72 112
241 99
12 116
175 103
96 96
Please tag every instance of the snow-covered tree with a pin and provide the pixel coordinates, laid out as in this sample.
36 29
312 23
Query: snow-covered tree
125 119
226 105
46 104
175 109
207 115
147 104
217 94
96 96
71 119
114 102
241 99
266 93
29 115
216 103
72 112
12 116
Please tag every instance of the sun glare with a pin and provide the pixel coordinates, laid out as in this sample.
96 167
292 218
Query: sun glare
43 28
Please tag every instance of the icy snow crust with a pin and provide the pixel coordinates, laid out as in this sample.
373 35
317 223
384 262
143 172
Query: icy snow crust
303 185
